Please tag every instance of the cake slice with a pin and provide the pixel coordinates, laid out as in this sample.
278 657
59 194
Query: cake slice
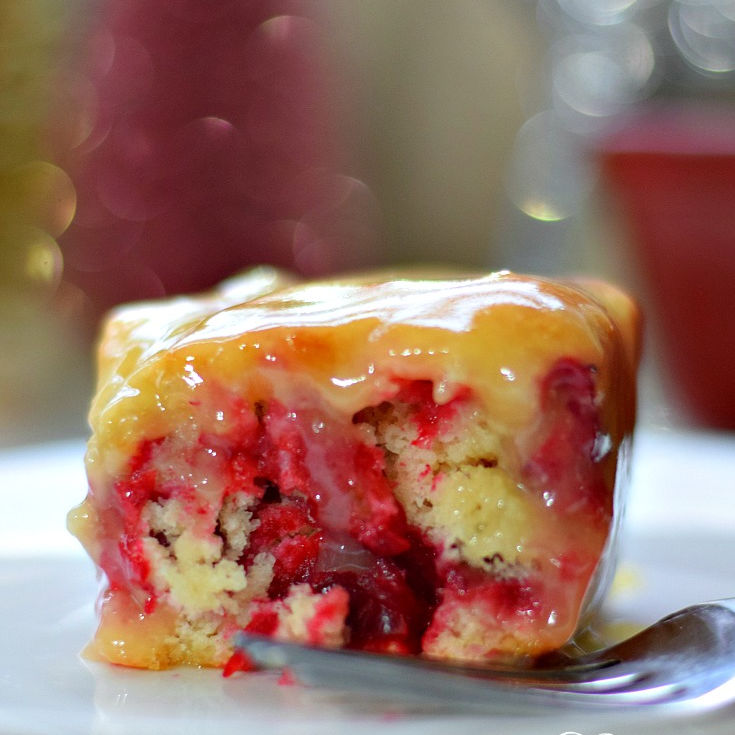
420 466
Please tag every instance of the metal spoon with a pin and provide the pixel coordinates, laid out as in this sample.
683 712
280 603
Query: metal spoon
681 657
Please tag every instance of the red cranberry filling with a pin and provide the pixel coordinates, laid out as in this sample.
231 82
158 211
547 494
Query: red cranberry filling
429 417
567 465
327 514
329 517
288 532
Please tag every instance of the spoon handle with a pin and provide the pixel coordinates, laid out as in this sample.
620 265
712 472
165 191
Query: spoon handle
418 679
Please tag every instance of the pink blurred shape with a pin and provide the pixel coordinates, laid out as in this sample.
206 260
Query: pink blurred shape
214 145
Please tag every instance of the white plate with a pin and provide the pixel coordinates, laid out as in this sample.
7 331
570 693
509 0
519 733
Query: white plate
679 548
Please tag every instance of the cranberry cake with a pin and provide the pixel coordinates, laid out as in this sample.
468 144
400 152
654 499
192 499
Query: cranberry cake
421 466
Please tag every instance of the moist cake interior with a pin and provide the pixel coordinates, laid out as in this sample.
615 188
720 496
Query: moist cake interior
411 529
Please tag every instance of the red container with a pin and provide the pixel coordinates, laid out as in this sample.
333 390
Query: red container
672 170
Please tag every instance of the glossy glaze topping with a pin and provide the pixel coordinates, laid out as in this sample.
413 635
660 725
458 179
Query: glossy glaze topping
353 339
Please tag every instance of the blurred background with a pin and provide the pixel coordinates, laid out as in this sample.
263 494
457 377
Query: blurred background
152 147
